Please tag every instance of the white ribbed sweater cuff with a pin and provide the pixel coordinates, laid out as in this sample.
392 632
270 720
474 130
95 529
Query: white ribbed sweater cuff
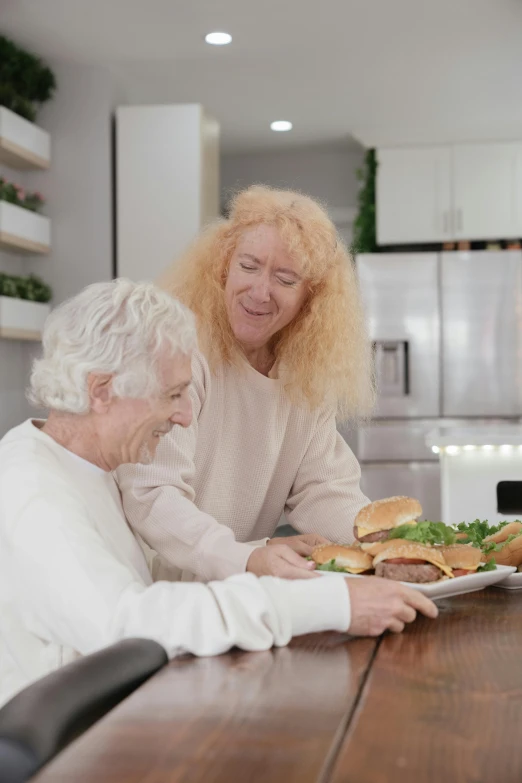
315 605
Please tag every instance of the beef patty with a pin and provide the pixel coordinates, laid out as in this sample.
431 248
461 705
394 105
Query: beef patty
408 573
381 535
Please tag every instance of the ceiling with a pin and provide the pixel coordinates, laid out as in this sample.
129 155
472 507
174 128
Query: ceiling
380 71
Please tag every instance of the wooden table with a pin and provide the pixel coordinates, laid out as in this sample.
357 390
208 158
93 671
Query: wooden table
440 703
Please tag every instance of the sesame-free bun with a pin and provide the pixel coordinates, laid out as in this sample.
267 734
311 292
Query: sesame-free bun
462 556
509 554
353 559
387 513
513 529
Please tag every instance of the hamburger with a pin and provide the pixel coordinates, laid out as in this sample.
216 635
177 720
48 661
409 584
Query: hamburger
407 561
463 559
346 559
508 540
374 521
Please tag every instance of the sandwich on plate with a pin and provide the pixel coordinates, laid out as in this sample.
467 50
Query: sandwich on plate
463 559
375 521
508 545
345 559
407 561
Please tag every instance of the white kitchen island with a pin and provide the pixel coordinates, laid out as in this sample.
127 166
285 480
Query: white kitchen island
480 472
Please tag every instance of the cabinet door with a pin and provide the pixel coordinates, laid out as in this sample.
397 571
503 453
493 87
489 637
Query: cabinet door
518 190
414 195
486 194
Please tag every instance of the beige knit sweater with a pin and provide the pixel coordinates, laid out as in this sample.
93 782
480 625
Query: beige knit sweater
248 456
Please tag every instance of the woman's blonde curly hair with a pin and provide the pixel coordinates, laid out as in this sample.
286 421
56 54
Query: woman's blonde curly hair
324 354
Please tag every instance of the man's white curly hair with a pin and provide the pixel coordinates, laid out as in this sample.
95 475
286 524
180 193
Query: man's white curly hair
118 328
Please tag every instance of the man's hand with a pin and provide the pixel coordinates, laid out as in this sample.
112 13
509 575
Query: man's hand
380 605
304 545
279 560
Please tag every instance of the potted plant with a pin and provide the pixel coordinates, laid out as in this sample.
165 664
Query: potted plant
23 306
15 194
25 83
21 229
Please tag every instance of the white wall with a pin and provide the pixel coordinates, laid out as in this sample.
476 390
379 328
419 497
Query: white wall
78 190
78 184
327 173
167 184
13 353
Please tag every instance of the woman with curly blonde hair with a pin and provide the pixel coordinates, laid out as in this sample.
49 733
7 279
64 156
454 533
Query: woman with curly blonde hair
283 352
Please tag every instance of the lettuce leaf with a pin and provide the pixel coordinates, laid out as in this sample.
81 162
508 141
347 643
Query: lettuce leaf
425 533
478 530
489 566
330 566
489 547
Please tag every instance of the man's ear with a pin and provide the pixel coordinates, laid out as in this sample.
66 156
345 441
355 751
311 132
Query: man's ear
99 387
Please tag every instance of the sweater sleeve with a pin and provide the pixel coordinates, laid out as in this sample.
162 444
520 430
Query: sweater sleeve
325 497
158 500
73 591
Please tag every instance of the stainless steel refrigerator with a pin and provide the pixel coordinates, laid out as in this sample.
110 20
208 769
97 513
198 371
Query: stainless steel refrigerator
447 336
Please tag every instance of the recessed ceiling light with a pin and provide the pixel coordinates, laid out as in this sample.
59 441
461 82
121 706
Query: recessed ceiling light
281 125
218 39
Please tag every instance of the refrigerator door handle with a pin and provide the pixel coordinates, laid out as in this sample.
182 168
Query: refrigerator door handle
445 221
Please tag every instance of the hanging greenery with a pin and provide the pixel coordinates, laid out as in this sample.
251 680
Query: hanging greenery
364 233
25 80
31 288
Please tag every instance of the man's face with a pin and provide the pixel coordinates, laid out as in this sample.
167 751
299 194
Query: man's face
137 425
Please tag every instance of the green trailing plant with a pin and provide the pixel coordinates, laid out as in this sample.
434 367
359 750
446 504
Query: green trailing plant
16 103
31 288
15 194
365 234
25 80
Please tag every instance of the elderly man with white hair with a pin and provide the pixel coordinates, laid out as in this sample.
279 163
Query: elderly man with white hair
114 375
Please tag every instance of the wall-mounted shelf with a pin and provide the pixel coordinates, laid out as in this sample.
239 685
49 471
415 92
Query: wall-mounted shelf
20 334
14 244
21 319
23 145
23 231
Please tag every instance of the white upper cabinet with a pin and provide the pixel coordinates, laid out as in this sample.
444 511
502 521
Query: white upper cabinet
440 194
486 193
413 195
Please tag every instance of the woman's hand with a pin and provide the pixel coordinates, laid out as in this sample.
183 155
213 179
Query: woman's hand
279 560
304 545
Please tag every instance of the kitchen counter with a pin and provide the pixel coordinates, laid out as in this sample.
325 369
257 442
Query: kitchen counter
440 702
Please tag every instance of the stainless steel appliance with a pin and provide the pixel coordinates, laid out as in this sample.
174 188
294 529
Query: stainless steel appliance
447 334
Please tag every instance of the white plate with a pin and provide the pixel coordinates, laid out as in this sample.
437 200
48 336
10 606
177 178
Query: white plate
511 582
445 588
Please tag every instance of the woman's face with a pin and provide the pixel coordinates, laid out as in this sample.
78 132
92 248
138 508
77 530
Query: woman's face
265 289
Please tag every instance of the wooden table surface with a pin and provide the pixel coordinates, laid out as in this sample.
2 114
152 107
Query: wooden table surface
440 703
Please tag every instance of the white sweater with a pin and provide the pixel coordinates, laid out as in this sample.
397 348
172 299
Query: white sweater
248 456
73 578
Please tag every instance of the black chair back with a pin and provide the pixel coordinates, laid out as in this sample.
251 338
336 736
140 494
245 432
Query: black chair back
47 715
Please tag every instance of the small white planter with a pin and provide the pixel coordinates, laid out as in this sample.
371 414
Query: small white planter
23 231
21 319
23 145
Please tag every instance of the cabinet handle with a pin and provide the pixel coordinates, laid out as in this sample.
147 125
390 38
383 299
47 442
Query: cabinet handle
459 219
